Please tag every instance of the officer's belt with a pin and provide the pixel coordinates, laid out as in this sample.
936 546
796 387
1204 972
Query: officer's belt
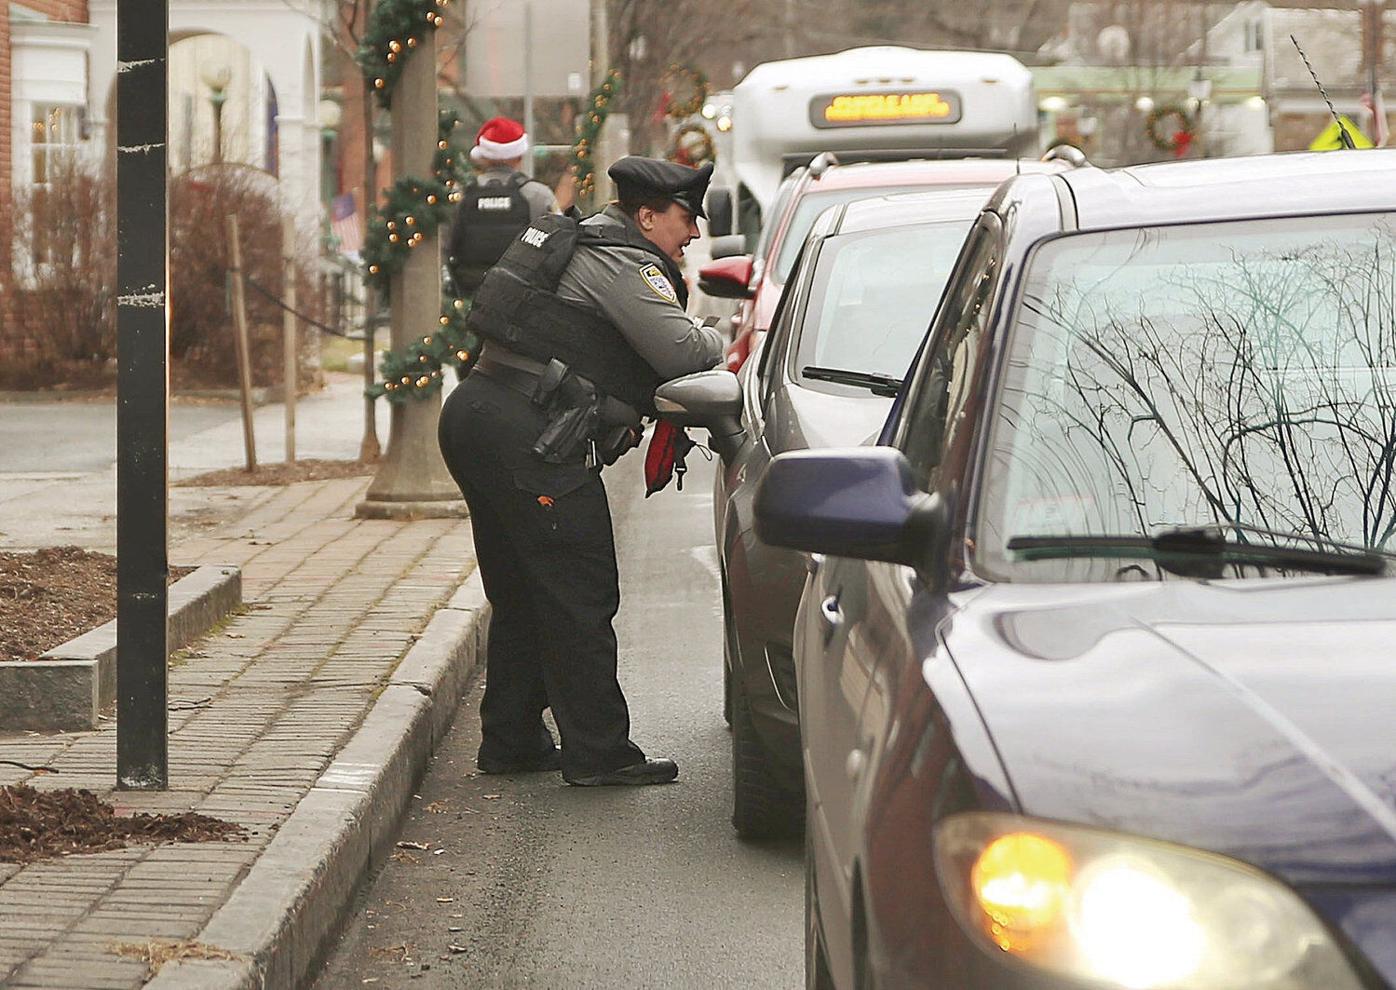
513 371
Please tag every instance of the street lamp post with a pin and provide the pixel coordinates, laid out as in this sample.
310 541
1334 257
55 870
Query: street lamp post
216 77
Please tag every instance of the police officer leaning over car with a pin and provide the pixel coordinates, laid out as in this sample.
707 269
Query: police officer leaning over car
581 322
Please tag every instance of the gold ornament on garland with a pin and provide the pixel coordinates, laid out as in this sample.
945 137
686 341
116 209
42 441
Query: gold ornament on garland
391 34
588 131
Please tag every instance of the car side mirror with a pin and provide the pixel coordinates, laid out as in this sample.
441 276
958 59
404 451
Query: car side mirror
710 399
859 502
728 278
727 247
718 207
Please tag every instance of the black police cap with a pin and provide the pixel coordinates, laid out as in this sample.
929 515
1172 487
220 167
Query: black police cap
638 177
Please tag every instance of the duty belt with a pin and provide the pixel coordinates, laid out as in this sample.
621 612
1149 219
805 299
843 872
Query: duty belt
513 371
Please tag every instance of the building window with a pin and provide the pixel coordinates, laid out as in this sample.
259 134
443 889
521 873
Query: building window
54 143
1255 35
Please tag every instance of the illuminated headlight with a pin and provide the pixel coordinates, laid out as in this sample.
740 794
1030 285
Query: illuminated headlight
1129 912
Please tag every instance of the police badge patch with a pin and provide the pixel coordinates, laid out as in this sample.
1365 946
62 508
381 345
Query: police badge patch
659 282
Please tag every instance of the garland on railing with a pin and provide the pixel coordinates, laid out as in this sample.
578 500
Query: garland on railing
589 130
394 30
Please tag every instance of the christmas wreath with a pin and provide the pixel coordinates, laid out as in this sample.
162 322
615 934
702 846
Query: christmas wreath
1179 139
692 145
678 103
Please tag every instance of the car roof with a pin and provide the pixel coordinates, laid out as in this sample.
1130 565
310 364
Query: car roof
962 202
1234 188
927 171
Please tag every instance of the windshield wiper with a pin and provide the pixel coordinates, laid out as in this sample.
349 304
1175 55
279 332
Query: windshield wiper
1201 551
884 385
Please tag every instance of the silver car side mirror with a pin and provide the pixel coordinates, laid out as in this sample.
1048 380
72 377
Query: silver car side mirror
711 399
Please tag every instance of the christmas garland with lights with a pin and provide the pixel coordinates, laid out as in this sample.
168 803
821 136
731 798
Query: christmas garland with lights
698 90
415 210
589 130
393 31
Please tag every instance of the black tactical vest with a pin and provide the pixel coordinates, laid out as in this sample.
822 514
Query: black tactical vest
518 306
490 216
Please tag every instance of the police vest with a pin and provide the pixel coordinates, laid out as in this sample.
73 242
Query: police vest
491 215
518 306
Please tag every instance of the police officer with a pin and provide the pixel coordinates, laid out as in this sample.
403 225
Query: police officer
582 320
496 204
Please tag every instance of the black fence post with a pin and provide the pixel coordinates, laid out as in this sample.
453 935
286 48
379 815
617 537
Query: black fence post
142 328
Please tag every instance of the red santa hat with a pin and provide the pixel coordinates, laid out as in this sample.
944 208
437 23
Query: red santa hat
499 140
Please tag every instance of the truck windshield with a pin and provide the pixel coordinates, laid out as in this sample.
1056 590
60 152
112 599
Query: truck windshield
807 210
1239 374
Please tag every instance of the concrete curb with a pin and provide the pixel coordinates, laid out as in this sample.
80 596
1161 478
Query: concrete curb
66 688
280 916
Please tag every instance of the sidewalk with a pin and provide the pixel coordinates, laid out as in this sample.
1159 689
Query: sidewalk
320 668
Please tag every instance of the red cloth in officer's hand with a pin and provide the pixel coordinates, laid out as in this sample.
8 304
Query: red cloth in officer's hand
669 445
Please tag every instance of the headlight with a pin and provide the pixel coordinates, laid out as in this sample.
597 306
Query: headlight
1129 912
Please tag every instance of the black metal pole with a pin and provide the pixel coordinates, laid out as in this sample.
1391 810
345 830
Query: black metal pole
142 328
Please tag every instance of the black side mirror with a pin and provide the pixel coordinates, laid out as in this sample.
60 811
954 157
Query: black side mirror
859 502
711 399
718 206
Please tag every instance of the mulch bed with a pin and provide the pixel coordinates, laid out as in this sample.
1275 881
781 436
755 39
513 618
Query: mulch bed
49 596
280 474
43 824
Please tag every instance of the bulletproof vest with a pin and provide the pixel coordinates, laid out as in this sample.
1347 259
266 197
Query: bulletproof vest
490 216
518 306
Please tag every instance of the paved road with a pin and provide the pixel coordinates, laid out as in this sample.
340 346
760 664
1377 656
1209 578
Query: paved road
558 887
57 460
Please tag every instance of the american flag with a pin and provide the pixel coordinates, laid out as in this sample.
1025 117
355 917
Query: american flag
346 224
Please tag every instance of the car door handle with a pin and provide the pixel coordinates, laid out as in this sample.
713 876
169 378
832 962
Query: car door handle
830 617
814 562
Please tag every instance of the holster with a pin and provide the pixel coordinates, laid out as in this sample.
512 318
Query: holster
582 419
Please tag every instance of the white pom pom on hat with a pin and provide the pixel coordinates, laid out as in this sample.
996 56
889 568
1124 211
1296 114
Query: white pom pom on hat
499 140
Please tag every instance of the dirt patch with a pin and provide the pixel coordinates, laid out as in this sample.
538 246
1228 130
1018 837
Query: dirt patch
43 824
280 474
50 596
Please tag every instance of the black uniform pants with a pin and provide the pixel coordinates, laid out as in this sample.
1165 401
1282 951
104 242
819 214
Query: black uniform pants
547 557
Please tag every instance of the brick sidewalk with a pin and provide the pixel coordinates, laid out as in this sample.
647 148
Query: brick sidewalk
257 711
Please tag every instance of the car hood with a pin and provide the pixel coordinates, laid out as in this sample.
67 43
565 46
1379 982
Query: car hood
1256 719
808 418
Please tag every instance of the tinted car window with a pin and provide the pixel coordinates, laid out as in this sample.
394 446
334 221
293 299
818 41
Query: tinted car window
873 296
937 399
807 210
1192 375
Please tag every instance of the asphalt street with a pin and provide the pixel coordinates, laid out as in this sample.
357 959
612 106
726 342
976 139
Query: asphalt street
526 882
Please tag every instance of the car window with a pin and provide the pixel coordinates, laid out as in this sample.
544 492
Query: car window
783 321
1239 374
773 219
873 296
807 210
936 404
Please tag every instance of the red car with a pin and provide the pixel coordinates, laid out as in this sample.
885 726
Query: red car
807 192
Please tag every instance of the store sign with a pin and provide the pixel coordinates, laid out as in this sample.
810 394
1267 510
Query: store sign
887 109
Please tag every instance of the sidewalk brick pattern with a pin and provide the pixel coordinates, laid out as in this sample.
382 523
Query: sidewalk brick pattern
258 709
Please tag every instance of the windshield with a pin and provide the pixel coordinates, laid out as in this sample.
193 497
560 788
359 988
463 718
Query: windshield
807 210
1184 376
873 297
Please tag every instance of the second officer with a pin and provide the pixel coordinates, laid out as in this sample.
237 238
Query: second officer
582 321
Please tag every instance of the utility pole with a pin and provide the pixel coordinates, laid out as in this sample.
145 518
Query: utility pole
142 405
1373 24
412 480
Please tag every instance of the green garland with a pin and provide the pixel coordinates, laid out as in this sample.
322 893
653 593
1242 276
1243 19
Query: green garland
393 31
418 373
415 210
589 130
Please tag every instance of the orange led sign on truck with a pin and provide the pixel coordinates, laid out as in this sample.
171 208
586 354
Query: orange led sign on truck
883 109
